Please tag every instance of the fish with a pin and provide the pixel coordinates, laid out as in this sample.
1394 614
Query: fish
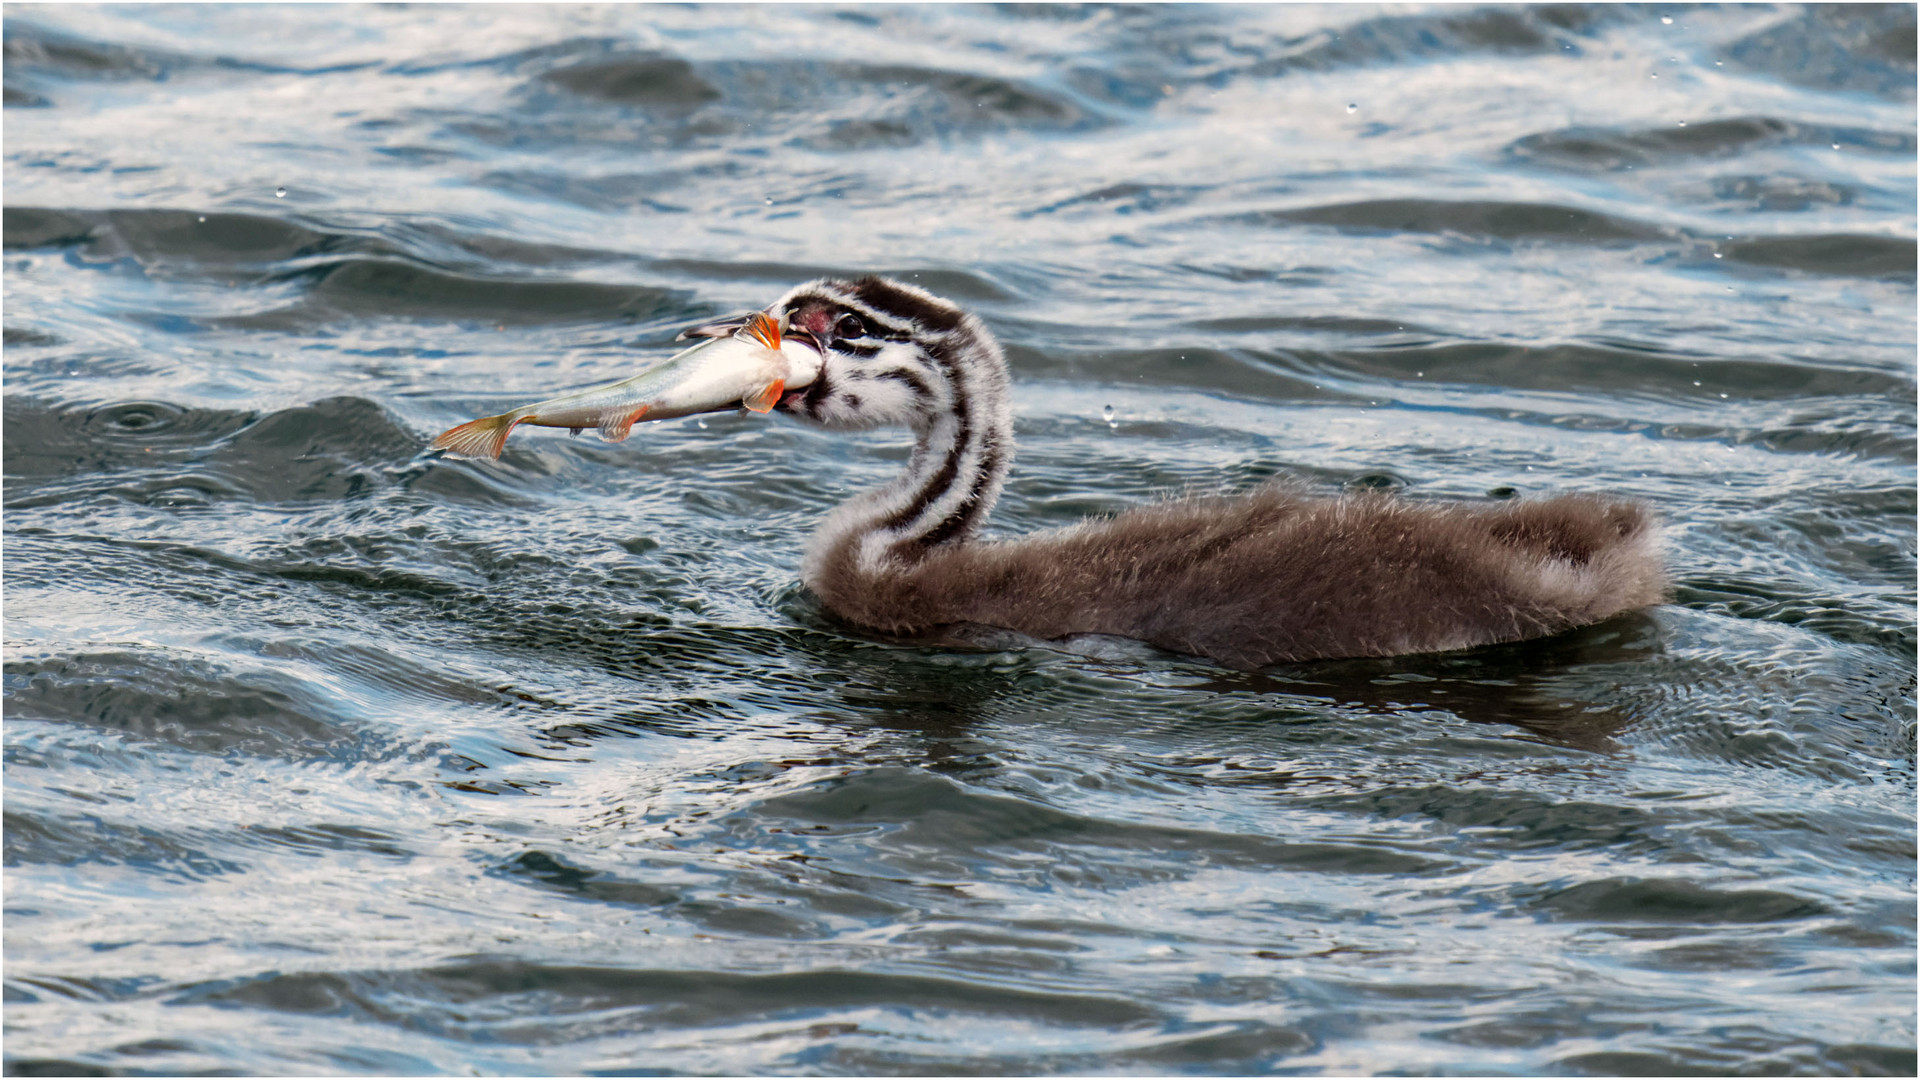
750 368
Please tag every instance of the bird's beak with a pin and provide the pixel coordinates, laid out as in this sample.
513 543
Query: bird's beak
720 328
733 324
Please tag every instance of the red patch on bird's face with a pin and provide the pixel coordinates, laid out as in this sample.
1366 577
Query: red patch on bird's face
814 318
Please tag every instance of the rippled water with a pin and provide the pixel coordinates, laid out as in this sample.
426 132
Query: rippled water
325 755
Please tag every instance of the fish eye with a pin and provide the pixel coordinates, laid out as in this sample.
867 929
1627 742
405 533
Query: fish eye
850 326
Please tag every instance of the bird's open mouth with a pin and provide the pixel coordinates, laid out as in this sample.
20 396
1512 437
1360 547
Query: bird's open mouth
807 338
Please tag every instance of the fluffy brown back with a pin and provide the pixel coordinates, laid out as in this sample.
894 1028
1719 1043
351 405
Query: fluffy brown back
1279 576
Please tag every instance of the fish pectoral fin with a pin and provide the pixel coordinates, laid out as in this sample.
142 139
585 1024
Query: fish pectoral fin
764 329
482 438
617 427
766 397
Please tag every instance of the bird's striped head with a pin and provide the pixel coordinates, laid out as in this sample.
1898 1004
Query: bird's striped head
892 354
889 353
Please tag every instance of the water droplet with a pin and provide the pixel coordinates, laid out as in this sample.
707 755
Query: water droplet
769 200
1107 414
1719 63
1683 123
1717 255
703 423
203 219
1667 19
1723 397
279 193
1696 382
1653 75
1352 108
1729 288
1836 146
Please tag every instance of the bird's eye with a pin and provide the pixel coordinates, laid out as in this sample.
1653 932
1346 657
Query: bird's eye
850 326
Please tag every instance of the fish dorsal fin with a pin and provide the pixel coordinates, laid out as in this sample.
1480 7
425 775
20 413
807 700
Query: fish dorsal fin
617 427
764 329
766 397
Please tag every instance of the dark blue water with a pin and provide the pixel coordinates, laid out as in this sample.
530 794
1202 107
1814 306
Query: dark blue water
324 755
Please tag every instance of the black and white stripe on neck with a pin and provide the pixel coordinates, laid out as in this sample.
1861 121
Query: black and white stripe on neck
960 460
928 365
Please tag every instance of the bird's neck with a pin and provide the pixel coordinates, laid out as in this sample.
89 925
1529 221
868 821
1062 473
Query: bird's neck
963 447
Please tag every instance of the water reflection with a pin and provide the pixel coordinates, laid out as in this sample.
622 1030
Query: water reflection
1557 689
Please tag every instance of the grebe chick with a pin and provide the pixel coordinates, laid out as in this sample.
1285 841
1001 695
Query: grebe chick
1247 581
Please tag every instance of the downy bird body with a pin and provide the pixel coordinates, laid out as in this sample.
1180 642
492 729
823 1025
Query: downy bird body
1272 576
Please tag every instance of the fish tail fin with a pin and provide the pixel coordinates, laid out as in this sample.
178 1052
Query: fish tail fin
482 438
617 427
764 329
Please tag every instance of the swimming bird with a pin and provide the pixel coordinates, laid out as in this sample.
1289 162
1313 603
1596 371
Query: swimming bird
1272 576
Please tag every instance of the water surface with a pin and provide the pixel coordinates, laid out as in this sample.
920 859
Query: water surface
324 755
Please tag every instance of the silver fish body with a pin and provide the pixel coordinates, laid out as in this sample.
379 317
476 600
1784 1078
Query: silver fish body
750 369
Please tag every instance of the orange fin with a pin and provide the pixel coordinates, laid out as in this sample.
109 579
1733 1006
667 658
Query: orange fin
767 397
616 428
482 438
764 329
